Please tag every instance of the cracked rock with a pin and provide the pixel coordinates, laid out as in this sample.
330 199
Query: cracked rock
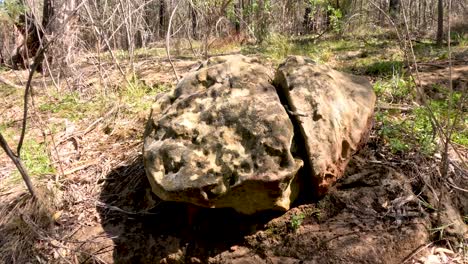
339 109
224 138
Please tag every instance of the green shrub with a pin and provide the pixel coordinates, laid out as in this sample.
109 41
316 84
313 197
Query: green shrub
296 221
384 68
395 89
416 130
10 10
138 96
336 21
277 46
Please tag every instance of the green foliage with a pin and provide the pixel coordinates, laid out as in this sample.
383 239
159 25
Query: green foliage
416 130
35 158
336 16
277 46
33 154
263 12
397 88
231 14
413 133
138 96
296 221
10 10
442 111
429 51
460 38
67 105
335 13
391 130
384 68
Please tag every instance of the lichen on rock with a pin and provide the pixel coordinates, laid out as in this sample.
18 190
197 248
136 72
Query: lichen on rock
225 137
334 115
222 139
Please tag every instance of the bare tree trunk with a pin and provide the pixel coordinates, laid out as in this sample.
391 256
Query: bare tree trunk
424 14
162 18
27 25
58 17
193 14
168 45
394 9
238 11
307 23
440 22
47 13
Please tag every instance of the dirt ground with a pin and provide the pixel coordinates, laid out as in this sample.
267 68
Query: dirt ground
371 216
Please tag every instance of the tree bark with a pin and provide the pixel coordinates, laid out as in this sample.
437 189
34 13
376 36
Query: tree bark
57 14
47 13
238 15
193 14
394 9
162 18
440 22
32 34
307 23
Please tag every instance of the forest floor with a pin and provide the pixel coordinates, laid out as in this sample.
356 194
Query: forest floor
83 149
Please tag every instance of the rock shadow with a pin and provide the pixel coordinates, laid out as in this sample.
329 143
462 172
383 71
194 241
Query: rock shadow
146 229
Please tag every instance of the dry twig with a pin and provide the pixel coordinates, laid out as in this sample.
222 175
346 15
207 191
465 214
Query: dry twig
168 37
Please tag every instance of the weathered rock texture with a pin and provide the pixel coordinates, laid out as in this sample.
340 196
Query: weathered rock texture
333 111
224 137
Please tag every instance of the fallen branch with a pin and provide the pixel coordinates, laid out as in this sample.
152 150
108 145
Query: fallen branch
403 108
5 81
73 170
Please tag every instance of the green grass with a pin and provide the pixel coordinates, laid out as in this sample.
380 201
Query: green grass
383 68
33 154
296 221
461 38
429 51
36 159
70 105
416 131
397 88
442 111
277 47
138 96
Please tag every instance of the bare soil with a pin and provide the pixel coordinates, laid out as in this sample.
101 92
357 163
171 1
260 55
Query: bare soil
371 216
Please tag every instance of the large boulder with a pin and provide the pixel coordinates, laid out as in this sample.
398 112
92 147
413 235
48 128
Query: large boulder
223 139
230 136
333 111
